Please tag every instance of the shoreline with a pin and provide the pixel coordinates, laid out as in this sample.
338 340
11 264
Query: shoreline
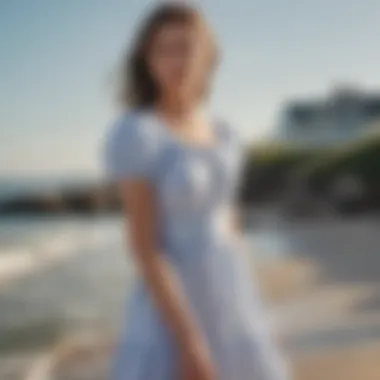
322 289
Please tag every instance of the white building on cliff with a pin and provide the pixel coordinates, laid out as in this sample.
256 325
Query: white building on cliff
343 116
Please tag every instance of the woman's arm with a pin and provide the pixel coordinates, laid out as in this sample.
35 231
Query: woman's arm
165 288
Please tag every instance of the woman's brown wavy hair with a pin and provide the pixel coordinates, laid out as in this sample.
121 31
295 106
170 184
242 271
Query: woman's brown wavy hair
138 88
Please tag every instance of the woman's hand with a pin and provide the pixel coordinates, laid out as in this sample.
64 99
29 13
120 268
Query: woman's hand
196 363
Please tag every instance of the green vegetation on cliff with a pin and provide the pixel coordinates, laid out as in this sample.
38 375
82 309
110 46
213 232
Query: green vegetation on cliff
274 168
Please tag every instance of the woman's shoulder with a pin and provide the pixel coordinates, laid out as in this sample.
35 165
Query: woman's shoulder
132 142
135 126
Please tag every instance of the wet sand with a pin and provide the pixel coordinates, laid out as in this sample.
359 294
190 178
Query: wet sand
347 363
327 300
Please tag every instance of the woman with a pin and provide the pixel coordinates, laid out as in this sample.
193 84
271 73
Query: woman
193 313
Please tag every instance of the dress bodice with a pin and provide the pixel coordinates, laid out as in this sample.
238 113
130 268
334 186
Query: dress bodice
194 184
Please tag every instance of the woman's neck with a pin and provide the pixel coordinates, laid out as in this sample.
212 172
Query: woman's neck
188 123
178 111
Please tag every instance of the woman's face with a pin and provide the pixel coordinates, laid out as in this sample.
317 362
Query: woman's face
178 60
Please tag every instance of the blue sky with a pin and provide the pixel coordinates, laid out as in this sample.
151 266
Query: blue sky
57 57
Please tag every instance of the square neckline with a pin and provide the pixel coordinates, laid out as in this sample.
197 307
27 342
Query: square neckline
214 146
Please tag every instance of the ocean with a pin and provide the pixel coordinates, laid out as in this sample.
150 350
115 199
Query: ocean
27 240
58 275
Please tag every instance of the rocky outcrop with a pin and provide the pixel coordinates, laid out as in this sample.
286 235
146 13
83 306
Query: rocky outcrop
82 201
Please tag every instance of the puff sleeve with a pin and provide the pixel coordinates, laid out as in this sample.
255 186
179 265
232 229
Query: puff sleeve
130 150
